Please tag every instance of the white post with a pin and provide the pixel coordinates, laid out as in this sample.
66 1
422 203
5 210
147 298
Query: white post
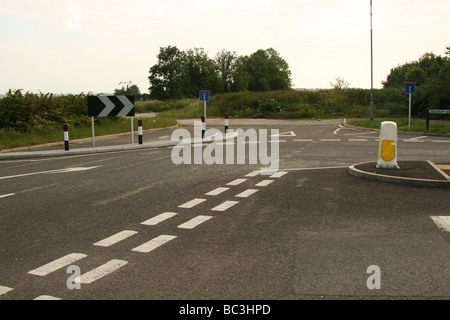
93 133
132 130
409 116
204 106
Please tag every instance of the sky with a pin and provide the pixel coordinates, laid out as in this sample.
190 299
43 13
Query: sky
74 46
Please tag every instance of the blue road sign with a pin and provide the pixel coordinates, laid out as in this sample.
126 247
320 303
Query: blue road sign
204 95
410 87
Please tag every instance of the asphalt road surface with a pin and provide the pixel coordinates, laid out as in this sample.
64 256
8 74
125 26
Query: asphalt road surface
137 226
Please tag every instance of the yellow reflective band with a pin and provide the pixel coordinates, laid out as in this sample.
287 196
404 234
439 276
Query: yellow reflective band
388 150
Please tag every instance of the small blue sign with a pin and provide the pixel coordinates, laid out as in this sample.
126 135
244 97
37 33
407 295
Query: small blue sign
410 87
204 95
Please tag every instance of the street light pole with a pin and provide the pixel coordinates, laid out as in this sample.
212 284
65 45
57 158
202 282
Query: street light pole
371 64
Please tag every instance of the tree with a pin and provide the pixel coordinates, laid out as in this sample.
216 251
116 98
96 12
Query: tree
166 77
267 71
340 83
182 74
431 73
200 72
227 63
129 89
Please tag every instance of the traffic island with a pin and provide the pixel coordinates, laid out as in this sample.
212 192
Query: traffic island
412 173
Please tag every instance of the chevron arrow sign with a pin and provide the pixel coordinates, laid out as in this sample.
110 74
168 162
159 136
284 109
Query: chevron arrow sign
111 106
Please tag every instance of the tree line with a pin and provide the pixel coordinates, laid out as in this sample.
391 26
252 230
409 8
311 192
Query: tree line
431 73
181 74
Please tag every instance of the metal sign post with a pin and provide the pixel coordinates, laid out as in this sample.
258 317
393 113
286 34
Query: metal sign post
204 96
410 88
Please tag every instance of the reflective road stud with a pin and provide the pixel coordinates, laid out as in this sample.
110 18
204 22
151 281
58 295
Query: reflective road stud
387 149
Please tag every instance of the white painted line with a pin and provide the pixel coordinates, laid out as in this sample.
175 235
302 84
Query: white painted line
329 140
4 290
247 193
7 195
264 183
417 138
159 218
191 224
101 271
411 140
337 130
154 243
278 174
357 140
192 203
57 264
302 140
440 141
285 134
225 206
253 174
44 297
217 191
236 182
74 169
115 238
442 222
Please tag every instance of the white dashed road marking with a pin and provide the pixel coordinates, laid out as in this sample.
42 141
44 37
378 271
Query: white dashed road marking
356 140
159 218
253 174
442 222
115 238
278 174
57 264
302 140
217 191
154 243
192 203
264 183
7 195
247 193
191 224
44 297
236 182
4 290
330 140
225 206
101 271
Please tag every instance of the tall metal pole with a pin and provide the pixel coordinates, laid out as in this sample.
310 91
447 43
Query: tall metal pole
371 64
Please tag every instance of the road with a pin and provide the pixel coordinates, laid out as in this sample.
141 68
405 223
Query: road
137 226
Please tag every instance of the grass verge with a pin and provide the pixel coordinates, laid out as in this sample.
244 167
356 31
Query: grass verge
417 125
12 138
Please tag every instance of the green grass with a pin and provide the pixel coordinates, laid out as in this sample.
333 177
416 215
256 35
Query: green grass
417 125
12 138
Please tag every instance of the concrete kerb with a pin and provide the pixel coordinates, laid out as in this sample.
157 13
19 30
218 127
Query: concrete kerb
105 149
416 182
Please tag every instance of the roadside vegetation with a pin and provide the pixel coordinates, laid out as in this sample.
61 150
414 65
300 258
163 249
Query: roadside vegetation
254 86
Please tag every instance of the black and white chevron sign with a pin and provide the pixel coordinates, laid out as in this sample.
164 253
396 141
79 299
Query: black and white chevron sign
111 106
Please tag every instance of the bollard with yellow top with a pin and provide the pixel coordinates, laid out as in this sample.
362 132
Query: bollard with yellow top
387 148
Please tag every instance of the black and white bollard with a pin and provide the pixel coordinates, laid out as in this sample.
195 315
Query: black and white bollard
203 127
140 131
226 123
66 137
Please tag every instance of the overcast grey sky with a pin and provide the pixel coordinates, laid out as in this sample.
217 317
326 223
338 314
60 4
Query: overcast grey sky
70 46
